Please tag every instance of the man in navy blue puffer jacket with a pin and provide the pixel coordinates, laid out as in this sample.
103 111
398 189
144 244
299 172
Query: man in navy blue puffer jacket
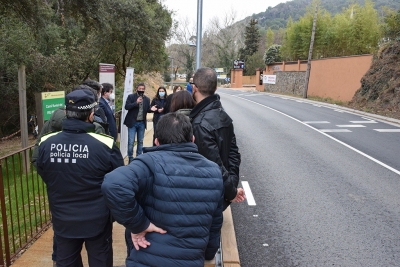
170 199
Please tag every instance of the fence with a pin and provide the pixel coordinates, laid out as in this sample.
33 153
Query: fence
25 212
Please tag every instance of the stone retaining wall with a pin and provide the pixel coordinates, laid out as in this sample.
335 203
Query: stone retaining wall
287 82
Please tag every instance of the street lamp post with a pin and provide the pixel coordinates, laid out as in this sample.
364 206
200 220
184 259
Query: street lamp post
172 72
199 32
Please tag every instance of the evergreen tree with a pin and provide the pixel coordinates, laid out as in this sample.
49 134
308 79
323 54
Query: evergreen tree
251 43
269 38
252 38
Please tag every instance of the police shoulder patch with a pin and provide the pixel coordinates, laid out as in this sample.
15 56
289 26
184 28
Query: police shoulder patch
105 139
47 135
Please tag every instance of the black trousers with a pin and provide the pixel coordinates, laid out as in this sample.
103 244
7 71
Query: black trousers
99 250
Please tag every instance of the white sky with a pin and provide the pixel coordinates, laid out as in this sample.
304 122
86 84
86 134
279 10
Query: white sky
212 8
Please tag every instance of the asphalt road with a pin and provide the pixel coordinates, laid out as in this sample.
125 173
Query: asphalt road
325 184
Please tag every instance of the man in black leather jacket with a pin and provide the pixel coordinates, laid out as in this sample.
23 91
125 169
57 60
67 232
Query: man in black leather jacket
214 133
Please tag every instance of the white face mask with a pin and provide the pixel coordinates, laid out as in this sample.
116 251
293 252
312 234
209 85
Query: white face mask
112 96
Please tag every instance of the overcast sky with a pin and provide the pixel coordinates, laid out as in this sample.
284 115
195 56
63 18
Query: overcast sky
212 8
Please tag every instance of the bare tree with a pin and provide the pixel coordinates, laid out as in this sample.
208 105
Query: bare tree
222 40
183 36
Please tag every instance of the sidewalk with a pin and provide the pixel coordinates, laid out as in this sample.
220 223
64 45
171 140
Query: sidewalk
39 254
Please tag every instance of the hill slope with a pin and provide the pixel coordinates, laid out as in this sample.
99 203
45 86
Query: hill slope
380 86
276 17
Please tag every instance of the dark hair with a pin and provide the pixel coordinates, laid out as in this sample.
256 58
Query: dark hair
93 84
79 115
158 91
107 87
176 88
181 100
174 128
140 84
205 80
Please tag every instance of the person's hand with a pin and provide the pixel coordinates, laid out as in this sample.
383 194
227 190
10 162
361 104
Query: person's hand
139 99
153 108
139 240
240 196
160 110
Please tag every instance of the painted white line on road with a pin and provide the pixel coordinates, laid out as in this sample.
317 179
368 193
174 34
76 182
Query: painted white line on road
317 105
249 195
387 130
315 122
327 135
351 126
335 131
299 101
252 95
338 110
363 121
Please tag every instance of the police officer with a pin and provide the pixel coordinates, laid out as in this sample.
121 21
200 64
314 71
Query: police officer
73 163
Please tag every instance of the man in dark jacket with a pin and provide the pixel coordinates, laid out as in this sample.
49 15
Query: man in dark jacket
73 163
138 105
213 130
108 95
170 199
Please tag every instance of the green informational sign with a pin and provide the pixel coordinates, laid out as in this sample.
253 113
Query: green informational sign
52 101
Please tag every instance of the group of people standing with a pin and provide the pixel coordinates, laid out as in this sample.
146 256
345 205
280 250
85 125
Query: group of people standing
170 197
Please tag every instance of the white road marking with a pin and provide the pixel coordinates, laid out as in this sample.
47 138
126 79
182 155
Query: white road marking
335 131
299 101
387 130
338 110
351 126
252 95
363 121
315 122
327 135
249 195
317 105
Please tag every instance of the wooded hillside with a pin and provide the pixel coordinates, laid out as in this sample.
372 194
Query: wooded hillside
277 17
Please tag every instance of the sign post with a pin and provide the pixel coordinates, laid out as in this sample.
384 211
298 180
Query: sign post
238 64
52 101
269 79
107 75
123 143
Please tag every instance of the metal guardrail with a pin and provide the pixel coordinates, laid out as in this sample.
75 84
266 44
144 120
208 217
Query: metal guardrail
24 208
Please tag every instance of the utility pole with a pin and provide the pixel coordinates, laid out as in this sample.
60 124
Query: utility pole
199 33
172 72
310 53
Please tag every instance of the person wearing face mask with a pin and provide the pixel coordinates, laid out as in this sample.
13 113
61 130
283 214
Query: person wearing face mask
107 96
137 105
157 106
169 98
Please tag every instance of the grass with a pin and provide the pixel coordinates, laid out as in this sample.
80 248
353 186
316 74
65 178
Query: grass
25 203
328 100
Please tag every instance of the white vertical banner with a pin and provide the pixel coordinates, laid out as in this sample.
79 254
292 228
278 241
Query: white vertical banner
128 89
107 75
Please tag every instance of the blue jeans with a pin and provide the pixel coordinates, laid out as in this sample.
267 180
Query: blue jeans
138 128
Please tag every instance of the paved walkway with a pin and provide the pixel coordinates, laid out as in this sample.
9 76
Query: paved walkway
39 254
